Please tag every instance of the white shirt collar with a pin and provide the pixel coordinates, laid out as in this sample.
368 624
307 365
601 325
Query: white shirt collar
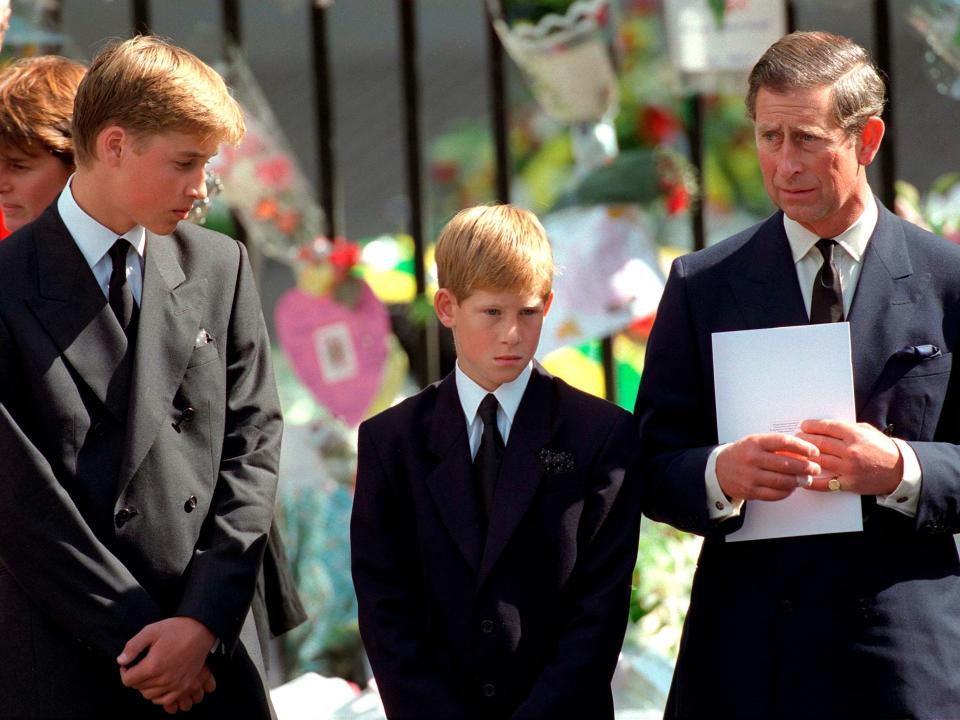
508 395
853 240
94 239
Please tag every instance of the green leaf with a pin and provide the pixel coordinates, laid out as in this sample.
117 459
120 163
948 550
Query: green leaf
719 9
631 177
420 310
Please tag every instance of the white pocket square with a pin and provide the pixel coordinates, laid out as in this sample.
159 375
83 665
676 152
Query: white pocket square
203 337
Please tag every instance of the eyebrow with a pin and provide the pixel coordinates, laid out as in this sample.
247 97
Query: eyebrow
193 154
809 129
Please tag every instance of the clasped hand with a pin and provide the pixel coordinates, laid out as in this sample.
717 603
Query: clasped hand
766 466
173 673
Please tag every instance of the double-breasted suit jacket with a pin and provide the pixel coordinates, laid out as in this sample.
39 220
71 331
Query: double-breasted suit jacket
847 625
524 618
134 484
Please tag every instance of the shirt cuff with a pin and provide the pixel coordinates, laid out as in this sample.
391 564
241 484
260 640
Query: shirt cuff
718 506
906 497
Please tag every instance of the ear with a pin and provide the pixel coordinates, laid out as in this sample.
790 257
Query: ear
446 306
112 142
547 303
869 141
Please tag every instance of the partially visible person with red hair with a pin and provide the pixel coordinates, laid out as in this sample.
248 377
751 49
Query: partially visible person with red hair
36 147
5 12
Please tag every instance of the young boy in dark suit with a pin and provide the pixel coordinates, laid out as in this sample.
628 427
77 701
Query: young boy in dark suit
493 535
139 420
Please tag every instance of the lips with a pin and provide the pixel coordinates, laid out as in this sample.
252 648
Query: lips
795 192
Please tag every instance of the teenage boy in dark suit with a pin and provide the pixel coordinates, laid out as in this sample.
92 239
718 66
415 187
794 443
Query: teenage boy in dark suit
493 535
139 422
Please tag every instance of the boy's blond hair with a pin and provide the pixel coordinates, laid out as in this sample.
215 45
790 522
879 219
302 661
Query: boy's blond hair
494 247
36 104
148 86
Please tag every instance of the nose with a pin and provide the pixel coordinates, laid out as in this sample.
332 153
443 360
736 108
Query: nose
198 186
6 185
512 334
790 162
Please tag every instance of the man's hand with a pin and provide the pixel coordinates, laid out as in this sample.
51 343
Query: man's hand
862 458
173 672
765 466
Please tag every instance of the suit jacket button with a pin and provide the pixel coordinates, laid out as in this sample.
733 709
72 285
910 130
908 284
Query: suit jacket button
486 627
786 606
191 504
98 430
489 690
124 515
188 414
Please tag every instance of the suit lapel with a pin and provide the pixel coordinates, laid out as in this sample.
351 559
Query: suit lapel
764 280
74 311
450 482
883 303
170 313
521 470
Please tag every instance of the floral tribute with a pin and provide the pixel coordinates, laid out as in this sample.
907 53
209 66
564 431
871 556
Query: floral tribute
334 330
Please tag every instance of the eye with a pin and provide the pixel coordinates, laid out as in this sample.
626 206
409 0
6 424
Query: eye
529 311
185 164
492 312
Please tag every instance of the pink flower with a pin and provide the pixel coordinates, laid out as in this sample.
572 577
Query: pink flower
274 172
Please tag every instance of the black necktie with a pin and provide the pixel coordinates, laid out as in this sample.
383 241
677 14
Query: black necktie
121 297
826 303
486 465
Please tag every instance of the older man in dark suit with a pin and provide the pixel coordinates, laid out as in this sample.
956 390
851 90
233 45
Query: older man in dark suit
139 420
846 625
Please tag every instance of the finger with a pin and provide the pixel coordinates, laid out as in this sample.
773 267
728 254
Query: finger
185 703
142 676
169 698
788 465
834 428
776 480
171 709
136 645
155 692
209 681
827 444
780 442
822 484
831 466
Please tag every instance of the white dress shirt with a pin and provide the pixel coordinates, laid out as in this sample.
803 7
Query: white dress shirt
508 397
808 260
95 241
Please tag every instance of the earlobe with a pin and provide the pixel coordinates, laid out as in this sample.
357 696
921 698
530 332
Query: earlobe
445 305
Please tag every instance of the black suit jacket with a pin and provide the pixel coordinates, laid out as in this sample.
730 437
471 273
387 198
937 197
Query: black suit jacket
847 625
120 508
529 623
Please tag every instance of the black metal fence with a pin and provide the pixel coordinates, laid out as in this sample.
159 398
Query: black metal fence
425 360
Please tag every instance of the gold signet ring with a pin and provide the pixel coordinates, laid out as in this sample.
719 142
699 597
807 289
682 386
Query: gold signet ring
834 484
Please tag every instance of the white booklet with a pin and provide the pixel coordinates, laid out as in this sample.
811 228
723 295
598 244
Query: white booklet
770 381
